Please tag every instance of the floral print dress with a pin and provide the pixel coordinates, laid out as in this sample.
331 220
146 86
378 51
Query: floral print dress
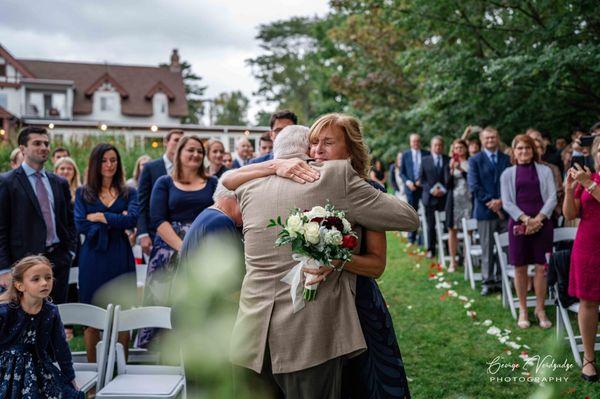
23 374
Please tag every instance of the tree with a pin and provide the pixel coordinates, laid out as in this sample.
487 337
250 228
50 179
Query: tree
263 118
231 108
193 94
295 70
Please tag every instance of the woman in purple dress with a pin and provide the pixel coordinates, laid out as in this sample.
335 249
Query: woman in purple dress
582 199
529 197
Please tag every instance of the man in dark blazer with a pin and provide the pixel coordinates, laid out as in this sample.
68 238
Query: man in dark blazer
409 171
434 176
151 172
36 215
483 177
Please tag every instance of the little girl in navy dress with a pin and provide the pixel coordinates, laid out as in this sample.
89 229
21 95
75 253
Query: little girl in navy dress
32 337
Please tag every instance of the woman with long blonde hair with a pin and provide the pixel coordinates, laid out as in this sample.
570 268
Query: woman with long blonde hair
67 168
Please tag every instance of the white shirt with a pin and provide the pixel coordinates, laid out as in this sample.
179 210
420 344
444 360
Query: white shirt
168 164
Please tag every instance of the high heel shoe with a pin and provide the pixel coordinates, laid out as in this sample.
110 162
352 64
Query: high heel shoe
523 323
589 378
544 323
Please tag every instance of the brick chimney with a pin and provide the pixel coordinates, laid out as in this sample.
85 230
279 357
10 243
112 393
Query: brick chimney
175 66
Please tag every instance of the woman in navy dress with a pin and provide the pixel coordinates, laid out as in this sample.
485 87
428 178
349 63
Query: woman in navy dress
175 202
529 197
104 208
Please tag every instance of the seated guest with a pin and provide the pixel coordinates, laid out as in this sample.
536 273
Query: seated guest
278 121
215 151
58 153
529 197
137 170
227 160
223 217
67 168
16 158
177 199
582 199
434 176
104 208
458 200
243 153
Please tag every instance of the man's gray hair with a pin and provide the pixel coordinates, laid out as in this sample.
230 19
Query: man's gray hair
293 139
221 191
438 137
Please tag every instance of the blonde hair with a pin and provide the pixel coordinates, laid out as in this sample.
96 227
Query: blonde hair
138 166
17 272
76 180
177 168
212 143
14 154
359 152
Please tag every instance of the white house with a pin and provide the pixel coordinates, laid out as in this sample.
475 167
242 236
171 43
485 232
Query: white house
76 98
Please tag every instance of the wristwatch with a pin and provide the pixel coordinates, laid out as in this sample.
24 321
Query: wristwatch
590 189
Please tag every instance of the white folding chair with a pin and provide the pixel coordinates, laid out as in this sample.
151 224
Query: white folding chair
508 271
563 325
423 219
473 252
88 375
140 381
442 237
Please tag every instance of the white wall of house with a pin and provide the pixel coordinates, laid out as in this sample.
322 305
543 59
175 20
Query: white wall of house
10 97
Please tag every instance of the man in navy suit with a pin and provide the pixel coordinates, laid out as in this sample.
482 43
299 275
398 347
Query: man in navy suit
483 177
409 171
151 172
243 153
278 121
434 175
36 214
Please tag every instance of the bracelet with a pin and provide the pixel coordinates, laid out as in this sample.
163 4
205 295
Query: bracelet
591 187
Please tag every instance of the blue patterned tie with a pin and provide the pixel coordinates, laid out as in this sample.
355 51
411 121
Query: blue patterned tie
44 201
494 159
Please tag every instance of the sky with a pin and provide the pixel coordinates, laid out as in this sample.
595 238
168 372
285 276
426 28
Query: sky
215 36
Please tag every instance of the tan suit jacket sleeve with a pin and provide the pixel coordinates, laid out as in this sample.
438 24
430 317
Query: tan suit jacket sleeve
375 210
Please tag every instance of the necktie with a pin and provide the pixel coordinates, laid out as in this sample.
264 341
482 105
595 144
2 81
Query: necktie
494 159
44 201
439 162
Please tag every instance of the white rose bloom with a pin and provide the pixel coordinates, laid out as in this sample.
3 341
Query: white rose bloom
311 232
294 225
347 225
318 212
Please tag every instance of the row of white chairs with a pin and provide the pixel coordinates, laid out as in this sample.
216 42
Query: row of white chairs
131 380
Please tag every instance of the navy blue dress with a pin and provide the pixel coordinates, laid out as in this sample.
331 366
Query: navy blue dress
179 208
106 252
28 347
378 372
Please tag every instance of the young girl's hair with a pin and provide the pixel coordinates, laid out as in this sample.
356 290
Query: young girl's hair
17 272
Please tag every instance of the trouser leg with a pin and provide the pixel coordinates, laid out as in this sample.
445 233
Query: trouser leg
323 381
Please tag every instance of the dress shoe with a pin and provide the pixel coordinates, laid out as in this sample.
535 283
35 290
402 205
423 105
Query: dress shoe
586 377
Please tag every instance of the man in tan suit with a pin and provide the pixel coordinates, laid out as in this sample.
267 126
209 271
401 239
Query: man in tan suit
304 350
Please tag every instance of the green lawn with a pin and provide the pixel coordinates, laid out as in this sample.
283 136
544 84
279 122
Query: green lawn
446 352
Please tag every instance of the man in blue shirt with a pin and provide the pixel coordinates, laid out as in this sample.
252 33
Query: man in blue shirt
483 177
279 120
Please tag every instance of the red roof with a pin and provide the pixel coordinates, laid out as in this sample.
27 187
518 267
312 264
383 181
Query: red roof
132 82
4 114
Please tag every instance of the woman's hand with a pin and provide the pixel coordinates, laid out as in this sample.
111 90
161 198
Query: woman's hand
570 182
321 274
581 174
533 225
97 217
297 170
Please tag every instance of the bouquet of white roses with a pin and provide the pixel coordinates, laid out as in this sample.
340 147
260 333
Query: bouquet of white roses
317 236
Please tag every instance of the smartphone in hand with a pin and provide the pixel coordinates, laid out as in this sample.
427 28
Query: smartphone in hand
519 229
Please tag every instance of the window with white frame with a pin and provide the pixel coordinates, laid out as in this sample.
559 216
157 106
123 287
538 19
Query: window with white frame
4 100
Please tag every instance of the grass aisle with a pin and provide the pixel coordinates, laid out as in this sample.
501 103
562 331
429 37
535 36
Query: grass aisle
446 351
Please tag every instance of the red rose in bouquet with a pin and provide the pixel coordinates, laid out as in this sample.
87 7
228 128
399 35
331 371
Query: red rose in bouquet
349 242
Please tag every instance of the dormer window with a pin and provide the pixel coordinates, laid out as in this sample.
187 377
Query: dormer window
107 103
2 69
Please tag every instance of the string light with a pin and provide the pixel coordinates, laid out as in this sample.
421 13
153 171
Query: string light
154 128
154 144
51 126
103 127
2 132
247 133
